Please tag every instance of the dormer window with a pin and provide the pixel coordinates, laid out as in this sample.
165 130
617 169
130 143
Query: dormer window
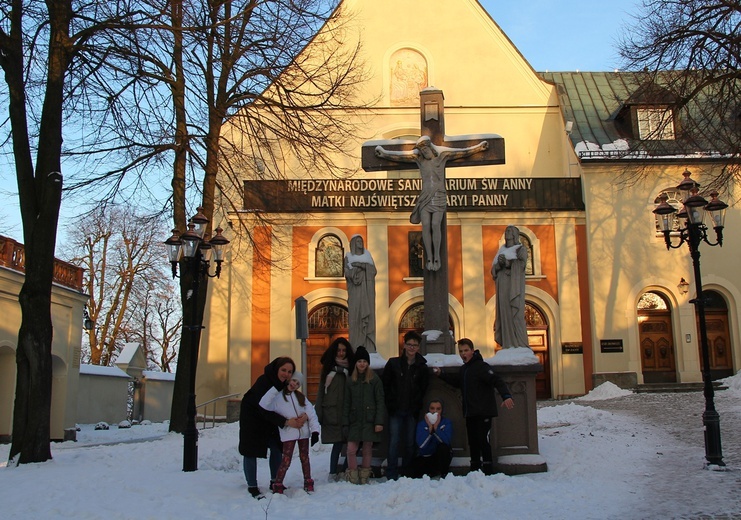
648 115
655 123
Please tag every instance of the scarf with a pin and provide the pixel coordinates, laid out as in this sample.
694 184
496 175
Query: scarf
342 363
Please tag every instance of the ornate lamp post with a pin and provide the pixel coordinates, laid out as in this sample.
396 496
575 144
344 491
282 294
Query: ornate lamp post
196 253
693 233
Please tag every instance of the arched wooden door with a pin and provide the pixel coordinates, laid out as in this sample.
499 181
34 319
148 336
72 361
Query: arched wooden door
537 337
719 339
326 323
656 339
414 319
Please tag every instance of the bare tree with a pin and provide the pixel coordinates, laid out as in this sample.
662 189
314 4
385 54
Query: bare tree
156 322
121 254
46 52
223 90
690 49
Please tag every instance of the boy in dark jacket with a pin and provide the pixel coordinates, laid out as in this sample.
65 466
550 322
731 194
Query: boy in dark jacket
405 380
477 382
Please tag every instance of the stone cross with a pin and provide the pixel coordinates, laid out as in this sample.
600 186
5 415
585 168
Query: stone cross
471 150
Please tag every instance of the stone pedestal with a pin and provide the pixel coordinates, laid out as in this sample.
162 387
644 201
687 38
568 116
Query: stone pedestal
514 435
515 432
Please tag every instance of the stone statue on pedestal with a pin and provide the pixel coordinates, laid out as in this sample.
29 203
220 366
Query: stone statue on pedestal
360 274
508 270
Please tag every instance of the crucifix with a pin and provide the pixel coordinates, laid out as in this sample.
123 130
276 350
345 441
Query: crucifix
431 154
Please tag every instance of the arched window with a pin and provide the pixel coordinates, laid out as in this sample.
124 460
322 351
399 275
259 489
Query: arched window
529 268
329 255
530 241
651 301
674 198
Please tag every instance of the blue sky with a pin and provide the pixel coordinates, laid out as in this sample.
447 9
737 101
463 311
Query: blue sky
551 35
564 36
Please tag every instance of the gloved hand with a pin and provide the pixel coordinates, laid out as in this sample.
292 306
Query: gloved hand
314 438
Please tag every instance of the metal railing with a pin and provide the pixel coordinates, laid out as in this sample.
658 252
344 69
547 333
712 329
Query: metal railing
204 417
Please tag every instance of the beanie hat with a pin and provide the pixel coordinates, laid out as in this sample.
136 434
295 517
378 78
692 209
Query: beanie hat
298 376
362 353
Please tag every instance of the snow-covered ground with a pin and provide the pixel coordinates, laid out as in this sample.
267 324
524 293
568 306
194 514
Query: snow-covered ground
602 464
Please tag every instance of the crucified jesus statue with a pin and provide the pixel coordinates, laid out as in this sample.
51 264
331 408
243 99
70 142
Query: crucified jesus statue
431 203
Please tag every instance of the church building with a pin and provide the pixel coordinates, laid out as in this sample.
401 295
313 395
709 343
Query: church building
605 300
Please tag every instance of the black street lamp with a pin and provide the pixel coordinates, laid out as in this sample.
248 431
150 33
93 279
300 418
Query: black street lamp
693 233
196 253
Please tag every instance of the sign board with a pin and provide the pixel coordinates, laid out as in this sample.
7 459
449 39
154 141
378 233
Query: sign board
611 345
371 195
572 348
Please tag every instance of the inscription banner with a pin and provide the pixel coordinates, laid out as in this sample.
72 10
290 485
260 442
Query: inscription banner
487 194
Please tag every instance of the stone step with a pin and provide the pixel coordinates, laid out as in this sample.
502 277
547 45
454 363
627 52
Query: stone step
676 387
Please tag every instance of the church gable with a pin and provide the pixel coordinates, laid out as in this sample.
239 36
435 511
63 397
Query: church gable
453 45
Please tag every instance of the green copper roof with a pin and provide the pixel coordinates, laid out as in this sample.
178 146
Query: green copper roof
591 100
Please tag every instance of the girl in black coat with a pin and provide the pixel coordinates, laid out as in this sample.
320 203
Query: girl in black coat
258 428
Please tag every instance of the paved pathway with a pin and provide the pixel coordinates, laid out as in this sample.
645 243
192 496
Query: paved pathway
701 494
680 414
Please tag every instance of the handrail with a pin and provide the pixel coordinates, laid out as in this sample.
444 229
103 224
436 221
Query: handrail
213 401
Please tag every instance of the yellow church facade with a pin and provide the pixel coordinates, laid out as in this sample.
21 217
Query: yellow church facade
604 302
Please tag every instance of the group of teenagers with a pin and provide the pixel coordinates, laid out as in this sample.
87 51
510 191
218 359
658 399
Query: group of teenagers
352 407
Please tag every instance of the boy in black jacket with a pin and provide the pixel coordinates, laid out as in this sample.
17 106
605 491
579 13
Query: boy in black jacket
405 380
477 382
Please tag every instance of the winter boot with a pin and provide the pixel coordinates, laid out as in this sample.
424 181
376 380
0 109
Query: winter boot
475 465
488 468
255 492
352 476
309 485
277 488
364 475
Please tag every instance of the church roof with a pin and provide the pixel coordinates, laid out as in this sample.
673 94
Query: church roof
599 106
590 100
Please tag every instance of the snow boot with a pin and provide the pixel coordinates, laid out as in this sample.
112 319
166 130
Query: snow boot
277 488
364 475
255 492
488 468
352 476
309 485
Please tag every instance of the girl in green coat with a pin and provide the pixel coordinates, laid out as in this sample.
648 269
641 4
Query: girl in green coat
363 417
337 362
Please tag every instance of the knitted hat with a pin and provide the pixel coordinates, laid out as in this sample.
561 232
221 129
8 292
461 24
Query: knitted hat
298 376
362 353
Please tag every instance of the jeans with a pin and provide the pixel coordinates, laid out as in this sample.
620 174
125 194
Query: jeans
249 464
402 427
334 457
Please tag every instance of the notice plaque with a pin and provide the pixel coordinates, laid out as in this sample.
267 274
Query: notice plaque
572 348
611 345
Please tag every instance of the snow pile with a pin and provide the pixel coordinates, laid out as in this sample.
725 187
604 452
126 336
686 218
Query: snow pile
606 390
733 383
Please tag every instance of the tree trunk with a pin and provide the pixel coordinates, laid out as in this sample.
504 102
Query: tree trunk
32 411
40 195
